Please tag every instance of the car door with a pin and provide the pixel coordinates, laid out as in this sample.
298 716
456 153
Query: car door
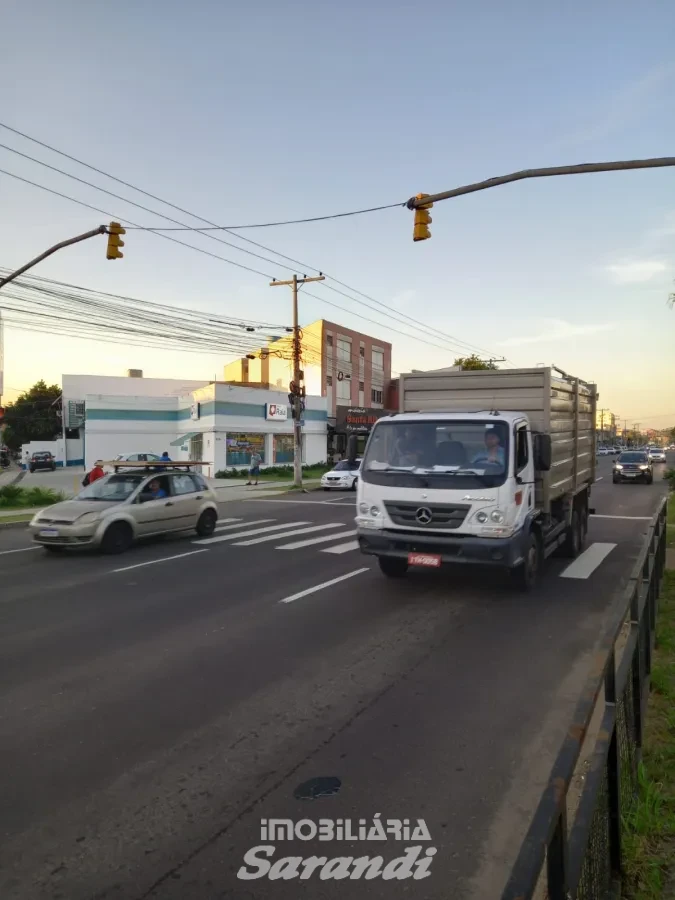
156 516
187 497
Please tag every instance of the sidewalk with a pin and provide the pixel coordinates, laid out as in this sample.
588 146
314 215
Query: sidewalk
9 476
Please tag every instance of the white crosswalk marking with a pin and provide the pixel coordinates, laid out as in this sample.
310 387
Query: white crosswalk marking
223 521
342 548
296 545
275 537
240 524
243 534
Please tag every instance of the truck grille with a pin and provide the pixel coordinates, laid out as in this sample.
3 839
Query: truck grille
427 515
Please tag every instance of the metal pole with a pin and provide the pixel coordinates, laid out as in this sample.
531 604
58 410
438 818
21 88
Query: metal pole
297 427
29 265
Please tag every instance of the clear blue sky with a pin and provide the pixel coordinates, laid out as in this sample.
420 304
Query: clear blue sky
261 111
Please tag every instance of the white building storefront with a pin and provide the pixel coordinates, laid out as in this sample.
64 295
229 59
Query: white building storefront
218 423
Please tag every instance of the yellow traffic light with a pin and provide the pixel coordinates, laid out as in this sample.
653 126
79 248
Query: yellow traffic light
114 242
422 220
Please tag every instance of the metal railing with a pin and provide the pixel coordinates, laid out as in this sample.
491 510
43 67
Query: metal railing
584 861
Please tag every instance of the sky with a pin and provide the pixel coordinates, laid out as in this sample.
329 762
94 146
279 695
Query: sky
260 112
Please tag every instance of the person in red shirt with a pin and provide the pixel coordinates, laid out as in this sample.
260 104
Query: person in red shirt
96 473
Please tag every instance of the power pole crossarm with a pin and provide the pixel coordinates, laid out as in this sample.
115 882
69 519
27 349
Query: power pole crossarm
296 388
581 169
75 240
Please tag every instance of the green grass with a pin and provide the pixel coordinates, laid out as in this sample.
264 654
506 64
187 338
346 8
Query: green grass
649 827
670 528
19 517
13 496
273 473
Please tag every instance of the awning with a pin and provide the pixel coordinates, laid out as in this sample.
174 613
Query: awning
184 438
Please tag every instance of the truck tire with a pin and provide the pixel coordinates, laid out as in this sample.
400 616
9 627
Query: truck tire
393 566
526 574
573 542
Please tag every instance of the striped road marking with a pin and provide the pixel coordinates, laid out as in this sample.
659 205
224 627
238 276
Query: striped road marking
296 545
585 564
245 534
275 537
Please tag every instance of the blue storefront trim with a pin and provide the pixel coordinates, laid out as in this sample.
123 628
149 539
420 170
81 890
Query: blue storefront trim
219 408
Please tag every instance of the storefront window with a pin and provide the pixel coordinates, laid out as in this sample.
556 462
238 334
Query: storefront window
283 448
241 446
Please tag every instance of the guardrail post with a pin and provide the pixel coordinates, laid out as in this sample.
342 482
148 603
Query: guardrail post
613 773
556 857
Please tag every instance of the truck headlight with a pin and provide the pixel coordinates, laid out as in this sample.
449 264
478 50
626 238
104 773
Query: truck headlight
481 517
497 516
363 508
617 466
644 468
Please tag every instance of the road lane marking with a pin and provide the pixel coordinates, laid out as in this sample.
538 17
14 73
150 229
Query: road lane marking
634 518
343 548
20 550
163 559
222 521
245 534
292 533
240 524
600 478
585 564
296 545
320 587
340 499
303 502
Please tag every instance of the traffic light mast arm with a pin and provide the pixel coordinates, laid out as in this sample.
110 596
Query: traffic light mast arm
581 169
75 240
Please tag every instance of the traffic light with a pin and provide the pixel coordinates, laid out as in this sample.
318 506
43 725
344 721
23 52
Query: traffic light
114 242
422 220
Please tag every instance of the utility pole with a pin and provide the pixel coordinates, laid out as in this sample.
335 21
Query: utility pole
297 389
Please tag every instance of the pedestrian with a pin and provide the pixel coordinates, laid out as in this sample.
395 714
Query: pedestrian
166 457
254 471
96 473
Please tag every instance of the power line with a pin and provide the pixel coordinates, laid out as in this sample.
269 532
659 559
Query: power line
419 325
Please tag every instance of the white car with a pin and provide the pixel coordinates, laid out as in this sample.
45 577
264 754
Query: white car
138 457
343 476
657 454
603 451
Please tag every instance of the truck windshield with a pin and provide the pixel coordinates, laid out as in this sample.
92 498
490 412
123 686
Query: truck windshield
431 453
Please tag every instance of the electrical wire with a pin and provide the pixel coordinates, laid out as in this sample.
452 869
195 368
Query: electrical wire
419 325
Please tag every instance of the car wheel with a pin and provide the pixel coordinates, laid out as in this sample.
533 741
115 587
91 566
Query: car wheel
354 482
572 546
615 480
393 566
117 538
649 479
207 523
525 575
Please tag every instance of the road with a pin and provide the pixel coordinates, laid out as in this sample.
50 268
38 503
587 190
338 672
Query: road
154 707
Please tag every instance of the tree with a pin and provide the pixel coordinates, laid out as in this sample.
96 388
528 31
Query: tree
34 416
474 362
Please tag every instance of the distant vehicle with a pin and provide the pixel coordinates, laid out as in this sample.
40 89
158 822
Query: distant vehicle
603 451
633 465
42 459
138 457
616 450
657 454
344 475
116 510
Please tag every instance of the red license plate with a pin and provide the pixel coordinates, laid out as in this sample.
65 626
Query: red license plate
429 560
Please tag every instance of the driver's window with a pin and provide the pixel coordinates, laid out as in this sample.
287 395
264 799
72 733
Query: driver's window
522 455
156 489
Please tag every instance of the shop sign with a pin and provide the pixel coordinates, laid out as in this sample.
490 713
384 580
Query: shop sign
276 411
358 419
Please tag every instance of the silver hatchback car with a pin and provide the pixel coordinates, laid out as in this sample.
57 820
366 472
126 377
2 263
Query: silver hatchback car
116 510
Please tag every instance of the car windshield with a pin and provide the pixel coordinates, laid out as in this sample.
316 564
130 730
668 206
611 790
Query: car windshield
635 457
436 453
113 489
344 466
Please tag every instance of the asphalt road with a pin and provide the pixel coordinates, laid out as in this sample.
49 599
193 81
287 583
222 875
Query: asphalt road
154 707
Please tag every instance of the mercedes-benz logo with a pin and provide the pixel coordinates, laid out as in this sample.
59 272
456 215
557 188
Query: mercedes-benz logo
423 515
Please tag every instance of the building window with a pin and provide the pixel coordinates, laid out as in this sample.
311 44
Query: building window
361 386
378 359
283 448
362 351
239 448
329 340
344 349
329 381
344 390
375 396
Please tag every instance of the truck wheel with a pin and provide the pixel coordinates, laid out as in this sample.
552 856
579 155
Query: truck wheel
393 566
117 538
572 546
525 575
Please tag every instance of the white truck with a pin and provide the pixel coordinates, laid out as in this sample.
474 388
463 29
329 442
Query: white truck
484 468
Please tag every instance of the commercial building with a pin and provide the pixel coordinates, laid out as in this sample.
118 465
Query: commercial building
219 423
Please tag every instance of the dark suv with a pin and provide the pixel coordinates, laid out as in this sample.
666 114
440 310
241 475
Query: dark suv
42 460
633 465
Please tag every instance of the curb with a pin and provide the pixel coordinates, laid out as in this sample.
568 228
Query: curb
14 524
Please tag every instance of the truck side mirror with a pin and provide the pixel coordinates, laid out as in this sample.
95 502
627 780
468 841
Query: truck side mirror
352 448
542 452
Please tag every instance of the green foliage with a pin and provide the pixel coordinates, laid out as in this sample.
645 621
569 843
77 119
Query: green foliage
281 472
34 416
13 496
473 362
669 475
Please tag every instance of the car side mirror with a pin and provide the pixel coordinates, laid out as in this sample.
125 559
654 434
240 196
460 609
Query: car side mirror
542 452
